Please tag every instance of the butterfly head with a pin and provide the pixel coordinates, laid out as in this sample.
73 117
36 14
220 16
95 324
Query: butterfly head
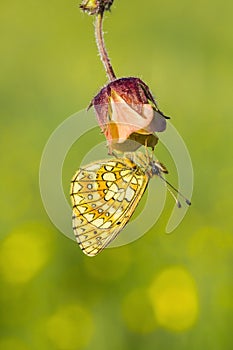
156 168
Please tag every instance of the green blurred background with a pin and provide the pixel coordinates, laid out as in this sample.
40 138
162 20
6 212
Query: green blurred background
162 291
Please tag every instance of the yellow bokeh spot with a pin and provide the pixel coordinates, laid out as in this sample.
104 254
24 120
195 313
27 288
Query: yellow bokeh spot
24 252
174 298
71 327
138 313
12 344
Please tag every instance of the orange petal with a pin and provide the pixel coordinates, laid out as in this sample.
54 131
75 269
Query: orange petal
126 118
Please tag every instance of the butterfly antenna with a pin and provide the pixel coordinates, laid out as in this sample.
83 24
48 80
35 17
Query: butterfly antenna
176 200
174 197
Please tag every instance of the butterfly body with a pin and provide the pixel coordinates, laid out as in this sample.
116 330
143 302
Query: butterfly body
104 196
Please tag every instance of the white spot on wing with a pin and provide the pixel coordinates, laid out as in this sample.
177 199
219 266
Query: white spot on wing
107 224
89 216
98 222
125 172
77 199
81 209
129 194
109 177
109 195
109 168
114 188
76 187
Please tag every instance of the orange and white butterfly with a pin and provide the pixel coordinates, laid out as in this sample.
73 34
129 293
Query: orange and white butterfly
104 196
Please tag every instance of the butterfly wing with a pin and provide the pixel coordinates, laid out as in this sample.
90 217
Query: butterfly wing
104 195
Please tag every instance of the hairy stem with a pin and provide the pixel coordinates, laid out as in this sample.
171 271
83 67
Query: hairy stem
101 47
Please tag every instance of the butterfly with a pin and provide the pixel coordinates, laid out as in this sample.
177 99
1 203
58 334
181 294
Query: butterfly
105 194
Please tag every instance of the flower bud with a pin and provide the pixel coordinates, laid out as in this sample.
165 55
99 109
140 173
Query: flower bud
93 7
126 110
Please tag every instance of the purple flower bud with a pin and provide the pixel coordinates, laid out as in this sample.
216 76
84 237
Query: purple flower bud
126 110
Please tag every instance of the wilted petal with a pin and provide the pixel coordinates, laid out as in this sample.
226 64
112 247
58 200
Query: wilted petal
158 123
126 118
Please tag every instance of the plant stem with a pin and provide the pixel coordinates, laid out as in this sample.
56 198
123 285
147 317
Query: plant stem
101 47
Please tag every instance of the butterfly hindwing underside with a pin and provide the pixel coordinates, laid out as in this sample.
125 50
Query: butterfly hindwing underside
104 195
